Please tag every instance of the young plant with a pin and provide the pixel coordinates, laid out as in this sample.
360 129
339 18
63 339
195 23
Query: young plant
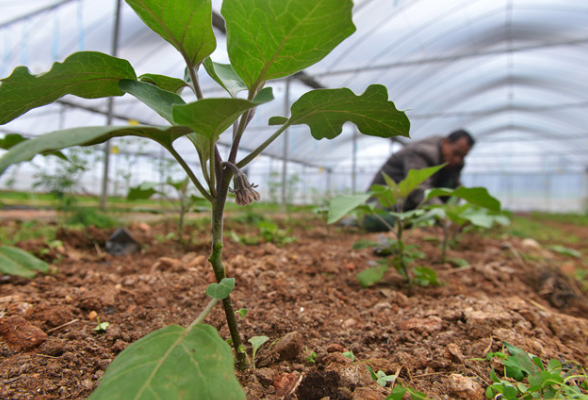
399 393
266 40
256 343
481 210
389 212
527 377
101 327
382 378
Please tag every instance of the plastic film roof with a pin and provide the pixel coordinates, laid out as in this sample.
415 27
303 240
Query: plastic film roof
513 72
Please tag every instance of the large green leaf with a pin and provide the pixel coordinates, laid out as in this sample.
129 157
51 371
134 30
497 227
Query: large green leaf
14 261
414 178
86 136
186 24
86 74
226 76
478 196
272 39
211 117
343 204
159 100
12 139
326 110
173 363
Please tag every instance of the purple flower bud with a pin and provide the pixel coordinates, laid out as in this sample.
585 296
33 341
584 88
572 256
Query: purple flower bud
244 192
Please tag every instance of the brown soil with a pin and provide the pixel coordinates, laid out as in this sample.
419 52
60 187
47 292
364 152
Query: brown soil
432 336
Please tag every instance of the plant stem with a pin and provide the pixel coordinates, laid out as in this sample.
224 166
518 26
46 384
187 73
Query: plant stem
190 173
400 245
215 260
262 146
203 314
445 242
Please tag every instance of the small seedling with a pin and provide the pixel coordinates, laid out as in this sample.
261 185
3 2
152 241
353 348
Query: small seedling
399 391
482 211
242 312
565 251
256 343
102 326
349 355
382 378
311 357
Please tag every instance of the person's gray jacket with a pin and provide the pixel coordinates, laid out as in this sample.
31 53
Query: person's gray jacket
418 155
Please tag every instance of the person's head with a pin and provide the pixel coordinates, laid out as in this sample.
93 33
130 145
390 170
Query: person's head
456 146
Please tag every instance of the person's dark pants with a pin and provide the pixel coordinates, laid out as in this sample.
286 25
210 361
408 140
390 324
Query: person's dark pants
375 224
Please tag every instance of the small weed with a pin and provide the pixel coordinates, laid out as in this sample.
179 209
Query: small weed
382 378
349 355
527 377
399 391
102 326
565 251
256 343
311 356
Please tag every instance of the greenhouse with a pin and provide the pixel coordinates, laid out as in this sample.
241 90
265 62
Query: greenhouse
132 132
508 72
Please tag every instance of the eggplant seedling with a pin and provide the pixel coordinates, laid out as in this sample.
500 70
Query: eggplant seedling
266 40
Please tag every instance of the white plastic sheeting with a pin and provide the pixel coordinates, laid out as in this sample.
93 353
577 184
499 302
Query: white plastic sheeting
512 72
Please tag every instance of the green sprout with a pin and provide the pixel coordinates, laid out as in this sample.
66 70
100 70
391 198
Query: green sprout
256 343
101 327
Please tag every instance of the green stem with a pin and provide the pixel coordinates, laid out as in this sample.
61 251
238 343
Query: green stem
203 314
262 146
400 245
445 242
190 173
215 260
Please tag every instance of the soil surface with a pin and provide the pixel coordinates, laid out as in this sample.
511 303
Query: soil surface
303 294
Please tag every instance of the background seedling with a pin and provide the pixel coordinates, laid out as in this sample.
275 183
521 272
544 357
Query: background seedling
391 199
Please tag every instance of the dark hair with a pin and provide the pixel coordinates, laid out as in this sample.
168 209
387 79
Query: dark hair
455 136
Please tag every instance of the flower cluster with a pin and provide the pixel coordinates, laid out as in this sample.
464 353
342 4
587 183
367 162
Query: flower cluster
244 192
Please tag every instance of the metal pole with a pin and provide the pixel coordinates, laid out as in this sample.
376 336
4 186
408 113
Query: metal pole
285 149
110 115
